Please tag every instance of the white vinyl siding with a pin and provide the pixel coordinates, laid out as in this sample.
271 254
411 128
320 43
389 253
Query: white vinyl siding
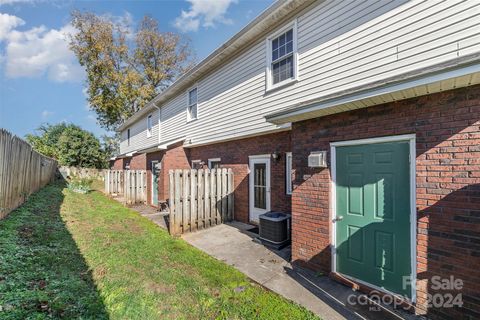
192 112
340 45
139 138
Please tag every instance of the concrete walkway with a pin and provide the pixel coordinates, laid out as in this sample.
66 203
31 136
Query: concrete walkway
160 218
236 246
151 213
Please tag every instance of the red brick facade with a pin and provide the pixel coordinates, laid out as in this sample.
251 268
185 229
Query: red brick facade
234 155
138 161
118 164
447 129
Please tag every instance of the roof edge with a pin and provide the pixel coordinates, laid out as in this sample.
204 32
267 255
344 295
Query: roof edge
277 11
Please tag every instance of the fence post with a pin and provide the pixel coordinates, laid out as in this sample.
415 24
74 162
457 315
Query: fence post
171 202
186 204
230 195
224 195
219 196
201 200
206 214
178 201
193 200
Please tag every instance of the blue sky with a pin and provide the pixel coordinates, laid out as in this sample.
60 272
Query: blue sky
40 80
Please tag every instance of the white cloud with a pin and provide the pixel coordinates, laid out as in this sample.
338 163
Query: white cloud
40 51
4 2
46 114
8 23
205 13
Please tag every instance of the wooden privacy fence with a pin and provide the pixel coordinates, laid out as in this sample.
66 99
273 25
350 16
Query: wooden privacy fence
114 182
129 185
199 199
22 171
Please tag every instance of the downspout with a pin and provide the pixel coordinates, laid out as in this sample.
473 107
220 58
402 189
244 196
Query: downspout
159 123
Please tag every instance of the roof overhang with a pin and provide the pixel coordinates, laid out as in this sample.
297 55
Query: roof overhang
165 145
279 128
279 12
129 154
456 73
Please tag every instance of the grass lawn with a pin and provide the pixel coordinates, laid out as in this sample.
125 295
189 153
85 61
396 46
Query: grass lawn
69 255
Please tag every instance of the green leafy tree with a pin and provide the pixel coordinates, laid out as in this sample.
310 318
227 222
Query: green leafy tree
46 141
70 145
124 70
111 145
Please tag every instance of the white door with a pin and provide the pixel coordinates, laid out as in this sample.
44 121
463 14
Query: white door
259 181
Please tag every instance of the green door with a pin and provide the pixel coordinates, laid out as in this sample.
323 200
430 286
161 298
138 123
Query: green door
155 174
373 214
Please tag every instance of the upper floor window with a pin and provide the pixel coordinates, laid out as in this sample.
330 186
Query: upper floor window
192 105
282 57
149 126
128 137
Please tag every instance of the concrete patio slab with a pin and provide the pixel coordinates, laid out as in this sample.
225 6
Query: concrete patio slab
151 213
233 244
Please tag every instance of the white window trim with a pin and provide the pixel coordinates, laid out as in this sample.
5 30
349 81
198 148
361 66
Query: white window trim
213 160
268 72
189 118
149 125
288 173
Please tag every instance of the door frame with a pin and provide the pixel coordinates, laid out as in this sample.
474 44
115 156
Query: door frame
151 184
251 161
413 208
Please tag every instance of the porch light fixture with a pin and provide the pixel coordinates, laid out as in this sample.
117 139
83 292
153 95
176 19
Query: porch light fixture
276 156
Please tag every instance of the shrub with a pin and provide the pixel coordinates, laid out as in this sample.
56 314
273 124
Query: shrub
80 185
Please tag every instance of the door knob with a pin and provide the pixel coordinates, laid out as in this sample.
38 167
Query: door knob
339 218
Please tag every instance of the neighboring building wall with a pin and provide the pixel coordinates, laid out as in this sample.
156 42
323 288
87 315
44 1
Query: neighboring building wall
176 157
138 134
447 128
234 155
138 162
117 164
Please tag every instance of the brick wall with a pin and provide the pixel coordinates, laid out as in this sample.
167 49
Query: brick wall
447 128
176 157
234 154
138 162
117 164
